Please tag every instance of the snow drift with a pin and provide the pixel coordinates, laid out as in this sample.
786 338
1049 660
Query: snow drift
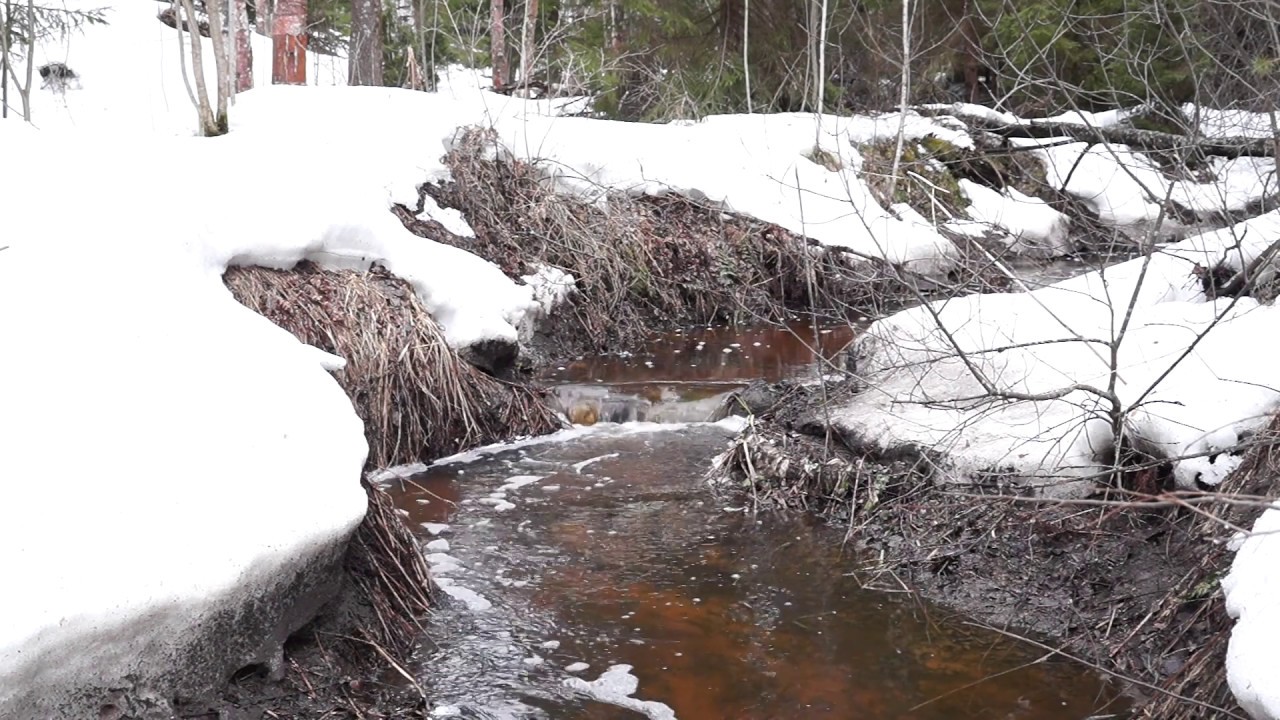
218 462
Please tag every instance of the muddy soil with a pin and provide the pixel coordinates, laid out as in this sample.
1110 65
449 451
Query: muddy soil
1130 590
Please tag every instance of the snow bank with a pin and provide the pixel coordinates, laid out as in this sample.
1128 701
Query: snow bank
216 461
1128 191
764 166
1219 123
1196 377
221 461
1047 348
1252 589
1029 225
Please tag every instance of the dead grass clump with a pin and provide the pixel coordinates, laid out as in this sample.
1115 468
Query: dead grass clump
800 471
391 575
417 399
646 262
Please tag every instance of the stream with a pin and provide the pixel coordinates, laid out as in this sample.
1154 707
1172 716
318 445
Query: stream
594 574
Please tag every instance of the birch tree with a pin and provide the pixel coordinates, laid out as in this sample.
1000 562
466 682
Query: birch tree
528 33
212 116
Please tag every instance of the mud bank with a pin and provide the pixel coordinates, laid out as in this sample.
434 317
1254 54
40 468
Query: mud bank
1124 582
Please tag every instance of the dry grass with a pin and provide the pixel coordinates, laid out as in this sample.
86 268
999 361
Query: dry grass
642 263
417 399
385 564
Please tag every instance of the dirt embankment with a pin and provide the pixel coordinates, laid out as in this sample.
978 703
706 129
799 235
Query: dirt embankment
1127 581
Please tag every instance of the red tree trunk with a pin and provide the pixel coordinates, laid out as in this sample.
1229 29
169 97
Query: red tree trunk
289 43
498 43
244 50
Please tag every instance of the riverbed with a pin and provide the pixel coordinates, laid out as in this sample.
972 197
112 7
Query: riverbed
595 574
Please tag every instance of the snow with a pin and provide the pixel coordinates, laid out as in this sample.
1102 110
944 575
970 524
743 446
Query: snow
759 165
616 686
1031 226
472 600
188 413
130 82
1127 190
1251 590
551 286
518 481
1055 338
195 415
1195 377
1228 123
1106 118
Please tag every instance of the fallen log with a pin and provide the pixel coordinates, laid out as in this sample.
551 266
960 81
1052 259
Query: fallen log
1150 140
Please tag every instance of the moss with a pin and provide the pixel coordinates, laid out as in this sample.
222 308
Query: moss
1022 171
925 180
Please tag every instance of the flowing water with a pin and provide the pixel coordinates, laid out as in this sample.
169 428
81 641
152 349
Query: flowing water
595 575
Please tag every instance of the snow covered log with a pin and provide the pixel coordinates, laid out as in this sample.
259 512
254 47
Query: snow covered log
1090 130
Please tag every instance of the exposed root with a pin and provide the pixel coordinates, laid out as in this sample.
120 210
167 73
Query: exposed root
417 398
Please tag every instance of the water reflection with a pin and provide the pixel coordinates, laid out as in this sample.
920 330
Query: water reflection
722 614
704 356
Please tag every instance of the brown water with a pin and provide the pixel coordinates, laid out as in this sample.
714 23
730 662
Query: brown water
604 545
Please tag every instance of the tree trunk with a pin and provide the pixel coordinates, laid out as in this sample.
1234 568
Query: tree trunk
528 36
616 36
208 124
498 43
289 43
971 54
262 12
24 91
5 29
746 47
221 61
243 47
365 58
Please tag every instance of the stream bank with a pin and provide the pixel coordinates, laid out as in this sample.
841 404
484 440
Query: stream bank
571 556
1131 589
